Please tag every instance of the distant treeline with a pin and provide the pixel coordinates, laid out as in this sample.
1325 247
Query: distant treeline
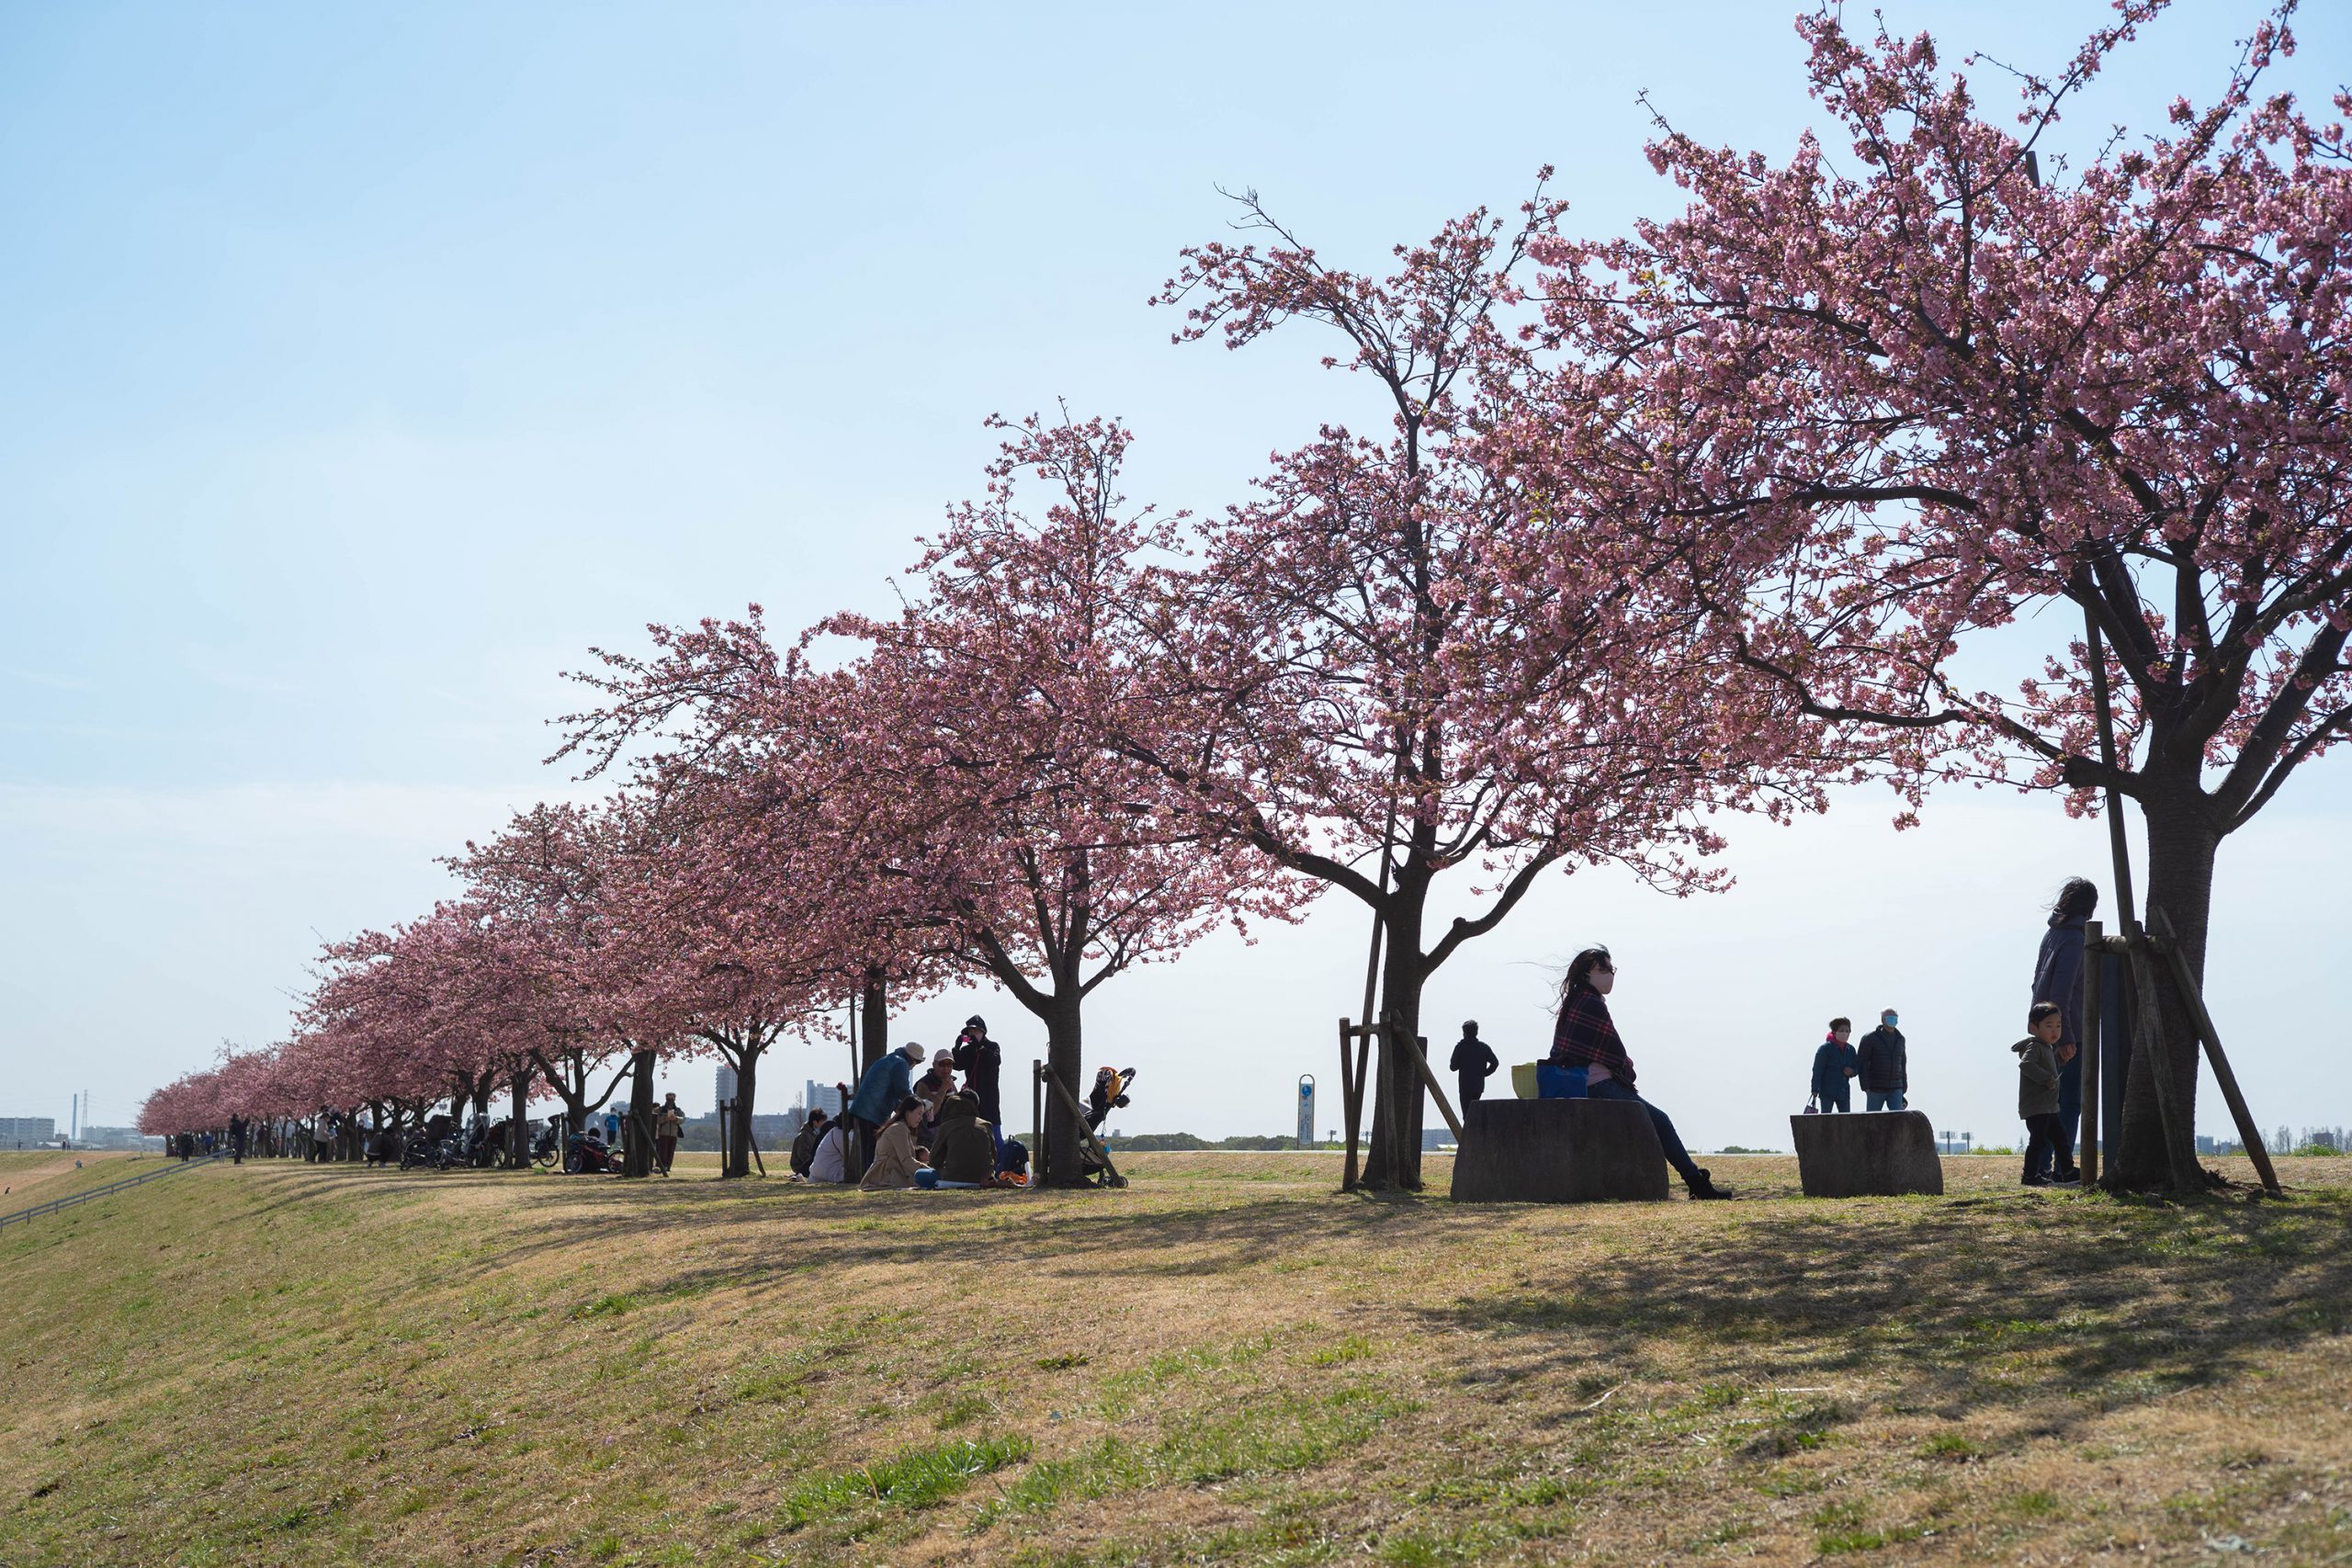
1176 1143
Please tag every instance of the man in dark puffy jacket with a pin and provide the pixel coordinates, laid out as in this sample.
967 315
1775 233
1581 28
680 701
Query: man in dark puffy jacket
1833 1064
1884 1070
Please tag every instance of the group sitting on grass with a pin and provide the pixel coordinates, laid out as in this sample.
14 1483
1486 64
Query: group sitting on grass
901 1131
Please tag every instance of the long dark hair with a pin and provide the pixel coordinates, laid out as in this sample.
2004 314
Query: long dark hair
1581 967
2076 901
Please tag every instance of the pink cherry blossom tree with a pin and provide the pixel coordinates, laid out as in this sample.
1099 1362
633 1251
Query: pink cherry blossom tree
1892 402
954 791
1380 717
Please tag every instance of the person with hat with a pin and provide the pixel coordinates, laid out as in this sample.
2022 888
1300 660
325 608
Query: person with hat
980 1060
879 1091
933 1088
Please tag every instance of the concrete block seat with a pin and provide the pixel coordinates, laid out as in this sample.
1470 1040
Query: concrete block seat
1558 1151
1875 1154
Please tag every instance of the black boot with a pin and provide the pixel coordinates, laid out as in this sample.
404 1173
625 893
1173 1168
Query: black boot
1702 1186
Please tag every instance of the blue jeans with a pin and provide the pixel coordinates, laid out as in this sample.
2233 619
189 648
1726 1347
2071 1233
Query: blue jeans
1839 1099
1883 1099
1668 1139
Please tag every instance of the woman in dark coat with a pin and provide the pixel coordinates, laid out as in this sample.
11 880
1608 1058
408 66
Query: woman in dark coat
2058 979
1586 1037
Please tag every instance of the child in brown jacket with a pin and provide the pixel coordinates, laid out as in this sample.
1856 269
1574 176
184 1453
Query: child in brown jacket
2038 1058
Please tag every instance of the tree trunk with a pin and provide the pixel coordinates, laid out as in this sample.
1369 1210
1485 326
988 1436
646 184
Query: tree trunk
874 1025
640 1158
739 1133
1395 1162
2182 844
518 1128
1065 1060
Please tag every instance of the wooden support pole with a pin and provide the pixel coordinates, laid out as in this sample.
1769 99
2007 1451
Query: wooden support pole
1086 1133
1419 1049
2093 958
1350 1091
1037 1119
2248 1134
1391 1128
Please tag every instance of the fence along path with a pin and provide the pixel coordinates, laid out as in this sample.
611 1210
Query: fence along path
54 1204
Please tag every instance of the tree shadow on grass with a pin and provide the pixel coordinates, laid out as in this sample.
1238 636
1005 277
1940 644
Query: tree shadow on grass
1960 1303
2098 1304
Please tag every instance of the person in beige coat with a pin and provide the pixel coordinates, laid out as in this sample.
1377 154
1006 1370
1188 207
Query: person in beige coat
896 1155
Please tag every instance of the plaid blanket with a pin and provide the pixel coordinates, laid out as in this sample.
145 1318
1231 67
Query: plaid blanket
1585 1035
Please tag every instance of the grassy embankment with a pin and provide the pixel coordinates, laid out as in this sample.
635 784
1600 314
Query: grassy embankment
1227 1363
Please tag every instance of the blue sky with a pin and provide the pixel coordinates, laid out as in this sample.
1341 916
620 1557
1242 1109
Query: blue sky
360 368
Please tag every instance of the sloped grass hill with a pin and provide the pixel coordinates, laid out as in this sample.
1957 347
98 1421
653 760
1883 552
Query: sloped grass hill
1225 1363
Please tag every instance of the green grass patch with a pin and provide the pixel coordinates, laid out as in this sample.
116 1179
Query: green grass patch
908 1481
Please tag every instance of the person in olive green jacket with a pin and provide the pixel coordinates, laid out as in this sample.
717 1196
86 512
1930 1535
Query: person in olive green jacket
963 1152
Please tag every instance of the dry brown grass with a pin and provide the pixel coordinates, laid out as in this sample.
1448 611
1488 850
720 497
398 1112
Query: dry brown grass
1225 1363
36 1176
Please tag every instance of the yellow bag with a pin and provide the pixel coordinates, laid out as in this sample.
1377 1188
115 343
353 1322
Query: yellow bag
1523 1080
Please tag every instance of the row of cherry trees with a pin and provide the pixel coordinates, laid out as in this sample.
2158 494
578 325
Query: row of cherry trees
1642 532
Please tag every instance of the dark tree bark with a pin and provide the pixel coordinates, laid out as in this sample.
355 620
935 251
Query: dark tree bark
2183 843
638 1160
873 1022
1394 1164
518 1127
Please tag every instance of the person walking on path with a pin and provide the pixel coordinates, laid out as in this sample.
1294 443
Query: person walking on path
237 1140
2058 980
2040 1057
885 1084
1885 1068
1585 1036
669 1125
1833 1064
1473 1062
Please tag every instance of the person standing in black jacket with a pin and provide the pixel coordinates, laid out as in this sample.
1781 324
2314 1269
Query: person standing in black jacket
1473 1062
1883 1066
981 1059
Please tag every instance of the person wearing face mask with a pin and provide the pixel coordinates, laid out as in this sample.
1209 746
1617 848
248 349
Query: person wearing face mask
1833 1063
1586 1037
1885 1071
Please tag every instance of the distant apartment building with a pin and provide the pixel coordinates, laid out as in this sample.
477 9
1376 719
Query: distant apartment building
823 1096
725 1085
27 1132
